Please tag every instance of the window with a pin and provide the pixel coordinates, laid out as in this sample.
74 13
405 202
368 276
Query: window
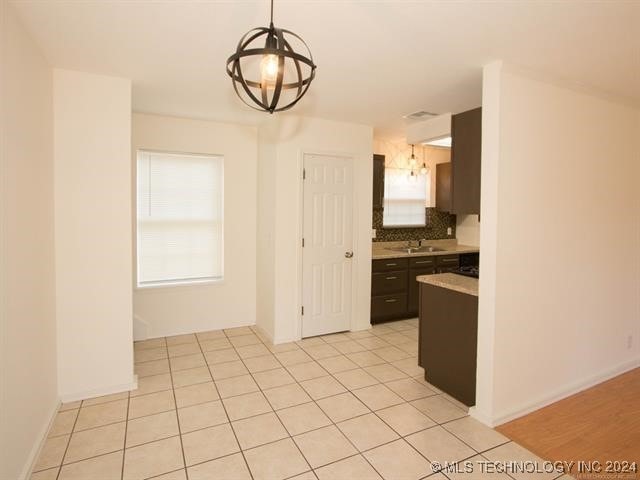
179 218
405 198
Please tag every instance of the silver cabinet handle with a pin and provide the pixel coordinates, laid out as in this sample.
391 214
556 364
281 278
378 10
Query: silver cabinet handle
391 264
449 259
348 254
391 300
391 278
423 261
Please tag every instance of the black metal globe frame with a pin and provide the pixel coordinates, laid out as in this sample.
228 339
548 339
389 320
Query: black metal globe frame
275 44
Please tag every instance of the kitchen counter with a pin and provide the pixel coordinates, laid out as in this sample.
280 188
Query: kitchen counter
449 247
451 281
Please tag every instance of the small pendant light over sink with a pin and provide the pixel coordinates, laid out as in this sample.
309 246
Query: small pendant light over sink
273 77
413 163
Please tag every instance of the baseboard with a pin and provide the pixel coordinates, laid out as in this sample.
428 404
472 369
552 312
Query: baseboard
481 417
278 341
155 333
37 447
565 392
141 328
99 392
264 333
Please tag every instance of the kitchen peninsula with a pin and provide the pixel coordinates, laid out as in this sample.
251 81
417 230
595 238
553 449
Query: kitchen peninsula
448 333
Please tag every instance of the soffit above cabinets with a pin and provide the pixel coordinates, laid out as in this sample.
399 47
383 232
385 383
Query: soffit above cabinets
431 130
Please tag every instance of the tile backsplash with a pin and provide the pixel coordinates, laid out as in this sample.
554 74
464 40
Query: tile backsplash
437 224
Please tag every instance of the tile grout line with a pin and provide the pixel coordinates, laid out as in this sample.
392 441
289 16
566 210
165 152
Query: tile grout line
273 411
403 437
73 428
225 407
175 404
126 426
370 411
286 368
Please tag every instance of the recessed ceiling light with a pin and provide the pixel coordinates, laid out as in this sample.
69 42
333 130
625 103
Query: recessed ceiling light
419 115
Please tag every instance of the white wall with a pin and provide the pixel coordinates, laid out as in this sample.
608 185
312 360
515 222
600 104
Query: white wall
28 383
92 144
283 141
468 230
266 233
560 206
231 302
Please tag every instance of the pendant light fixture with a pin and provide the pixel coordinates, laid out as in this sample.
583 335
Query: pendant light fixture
273 77
413 162
424 169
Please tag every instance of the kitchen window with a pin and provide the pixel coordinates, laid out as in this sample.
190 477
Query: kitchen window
179 218
405 198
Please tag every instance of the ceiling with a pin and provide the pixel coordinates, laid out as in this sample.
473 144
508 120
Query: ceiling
377 60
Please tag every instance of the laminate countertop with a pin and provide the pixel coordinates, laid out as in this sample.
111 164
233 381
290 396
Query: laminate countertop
459 283
449 247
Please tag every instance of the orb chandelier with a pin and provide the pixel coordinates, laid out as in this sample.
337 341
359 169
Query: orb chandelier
273 77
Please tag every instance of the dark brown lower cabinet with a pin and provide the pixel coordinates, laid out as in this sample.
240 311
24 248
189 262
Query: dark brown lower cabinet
448 341
394 289
414 288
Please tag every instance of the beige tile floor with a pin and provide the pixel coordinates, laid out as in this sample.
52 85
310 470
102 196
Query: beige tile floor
228 405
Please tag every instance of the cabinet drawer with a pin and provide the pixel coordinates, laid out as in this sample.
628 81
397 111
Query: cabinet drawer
448 261
388 282
388 305
389 264
422 262
447 269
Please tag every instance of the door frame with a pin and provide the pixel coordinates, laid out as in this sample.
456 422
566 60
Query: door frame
354 236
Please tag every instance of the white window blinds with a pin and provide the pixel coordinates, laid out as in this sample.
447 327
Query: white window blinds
405 198
179 218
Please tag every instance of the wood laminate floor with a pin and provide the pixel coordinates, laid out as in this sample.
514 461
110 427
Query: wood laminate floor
601 424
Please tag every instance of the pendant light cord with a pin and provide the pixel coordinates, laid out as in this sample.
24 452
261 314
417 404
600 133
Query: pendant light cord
271 12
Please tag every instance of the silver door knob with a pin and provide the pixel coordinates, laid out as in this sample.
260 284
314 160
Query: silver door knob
348 254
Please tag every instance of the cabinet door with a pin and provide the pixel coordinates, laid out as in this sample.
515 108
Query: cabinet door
466 141
378 181
414 288
443 187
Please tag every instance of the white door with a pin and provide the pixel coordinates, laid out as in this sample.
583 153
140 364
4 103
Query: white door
328 244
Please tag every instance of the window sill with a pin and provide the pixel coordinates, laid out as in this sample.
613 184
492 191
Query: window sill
186 283
391 227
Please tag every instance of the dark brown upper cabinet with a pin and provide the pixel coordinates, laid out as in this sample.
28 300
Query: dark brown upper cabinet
460 194
466 142
378 181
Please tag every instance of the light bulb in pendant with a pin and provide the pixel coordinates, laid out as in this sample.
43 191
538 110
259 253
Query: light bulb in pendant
424 169
269 68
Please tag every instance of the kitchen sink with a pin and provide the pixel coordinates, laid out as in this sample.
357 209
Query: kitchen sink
425 248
